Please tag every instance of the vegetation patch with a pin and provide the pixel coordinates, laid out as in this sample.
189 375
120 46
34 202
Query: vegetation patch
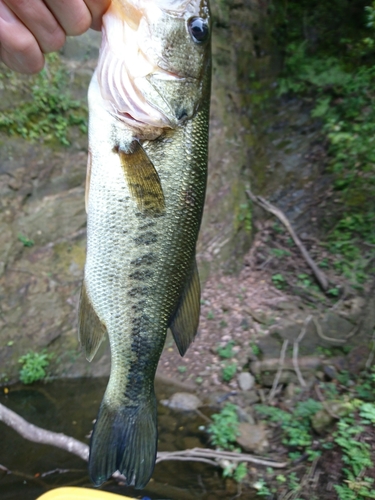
47 111
335 69
34 366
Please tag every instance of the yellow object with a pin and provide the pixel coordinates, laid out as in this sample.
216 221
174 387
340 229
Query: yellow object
73 493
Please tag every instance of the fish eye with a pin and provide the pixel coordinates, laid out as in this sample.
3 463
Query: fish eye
198 29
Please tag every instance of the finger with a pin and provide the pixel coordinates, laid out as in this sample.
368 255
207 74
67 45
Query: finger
36 16
97 9
19 49
73 15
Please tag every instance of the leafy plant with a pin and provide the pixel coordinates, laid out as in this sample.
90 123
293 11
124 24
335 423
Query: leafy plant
245 216
255 348
296 425
224 428
226 351
25 241
367 413
240 472
33 366
280 252
229 372
262 488
357 458
278 280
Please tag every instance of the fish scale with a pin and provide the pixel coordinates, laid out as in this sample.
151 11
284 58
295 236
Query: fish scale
145 195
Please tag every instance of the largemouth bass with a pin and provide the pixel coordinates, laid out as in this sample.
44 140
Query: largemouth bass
148 142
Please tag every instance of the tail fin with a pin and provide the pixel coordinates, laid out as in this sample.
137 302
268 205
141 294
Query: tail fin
124 439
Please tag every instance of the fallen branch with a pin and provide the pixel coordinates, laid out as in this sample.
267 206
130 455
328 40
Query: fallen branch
205 455
319 331
296 350
305 363
266 205
38 435
279 371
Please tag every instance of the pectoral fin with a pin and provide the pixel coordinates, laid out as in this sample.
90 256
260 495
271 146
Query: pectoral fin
185 321
143 180
91 331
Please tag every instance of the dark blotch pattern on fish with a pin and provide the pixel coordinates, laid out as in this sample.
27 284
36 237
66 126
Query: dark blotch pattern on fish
147 238
145 260
141 275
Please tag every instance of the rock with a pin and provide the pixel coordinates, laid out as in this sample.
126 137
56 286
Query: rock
335 327
291 391
244 415
321 420
267 379
357 359
270 346
253 438
182 401
330 371
216 398
246 381
250 397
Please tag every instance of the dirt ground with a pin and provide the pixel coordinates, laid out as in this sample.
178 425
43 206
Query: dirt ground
242 308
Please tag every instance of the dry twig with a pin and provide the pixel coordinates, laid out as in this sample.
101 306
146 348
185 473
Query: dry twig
266 205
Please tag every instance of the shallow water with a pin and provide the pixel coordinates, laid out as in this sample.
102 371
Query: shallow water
69 406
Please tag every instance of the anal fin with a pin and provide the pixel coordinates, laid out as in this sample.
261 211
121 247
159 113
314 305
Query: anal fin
143 180
185 321
91 331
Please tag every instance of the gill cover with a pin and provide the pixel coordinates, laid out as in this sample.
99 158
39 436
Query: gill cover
152 60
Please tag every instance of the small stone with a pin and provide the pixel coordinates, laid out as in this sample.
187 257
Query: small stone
253 438
246 381
182 401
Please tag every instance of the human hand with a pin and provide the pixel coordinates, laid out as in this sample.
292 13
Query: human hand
31 28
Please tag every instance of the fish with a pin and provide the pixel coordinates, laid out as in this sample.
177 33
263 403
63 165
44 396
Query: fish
146 178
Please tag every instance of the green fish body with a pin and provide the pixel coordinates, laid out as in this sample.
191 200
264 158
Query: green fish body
148 146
